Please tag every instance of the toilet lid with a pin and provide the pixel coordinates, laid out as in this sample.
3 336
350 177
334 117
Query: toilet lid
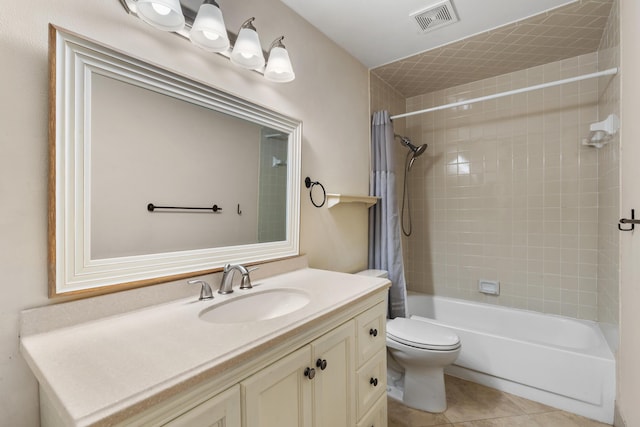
420 334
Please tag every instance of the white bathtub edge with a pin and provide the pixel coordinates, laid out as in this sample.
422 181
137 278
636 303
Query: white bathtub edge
611 335
578 377
602 413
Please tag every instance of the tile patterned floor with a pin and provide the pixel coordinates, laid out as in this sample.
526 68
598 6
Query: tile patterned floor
474 405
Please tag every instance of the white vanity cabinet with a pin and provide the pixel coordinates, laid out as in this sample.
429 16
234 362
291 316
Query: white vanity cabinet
313 386
296 391
337 380
293 389
371 375
322 366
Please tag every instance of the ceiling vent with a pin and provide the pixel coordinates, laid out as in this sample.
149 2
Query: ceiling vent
435 16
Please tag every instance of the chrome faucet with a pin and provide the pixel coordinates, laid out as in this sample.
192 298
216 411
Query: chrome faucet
205 291
226 283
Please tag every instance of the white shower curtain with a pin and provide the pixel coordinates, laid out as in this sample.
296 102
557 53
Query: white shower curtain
385 245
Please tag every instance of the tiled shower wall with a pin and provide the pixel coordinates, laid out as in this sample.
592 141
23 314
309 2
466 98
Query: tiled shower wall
506 192
272 199
609 177
537 270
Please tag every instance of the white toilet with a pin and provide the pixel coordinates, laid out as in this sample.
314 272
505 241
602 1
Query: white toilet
422 350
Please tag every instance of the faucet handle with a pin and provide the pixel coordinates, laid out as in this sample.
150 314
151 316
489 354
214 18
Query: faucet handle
205 291
245 283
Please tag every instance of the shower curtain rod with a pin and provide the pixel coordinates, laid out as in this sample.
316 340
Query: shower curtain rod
609 72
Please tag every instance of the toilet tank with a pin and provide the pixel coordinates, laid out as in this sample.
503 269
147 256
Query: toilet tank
383 274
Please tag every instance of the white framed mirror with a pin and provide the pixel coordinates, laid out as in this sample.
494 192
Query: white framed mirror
222 173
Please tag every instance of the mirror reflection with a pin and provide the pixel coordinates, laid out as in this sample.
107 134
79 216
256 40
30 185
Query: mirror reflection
172 153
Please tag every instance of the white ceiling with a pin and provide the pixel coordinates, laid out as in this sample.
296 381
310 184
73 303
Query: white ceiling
379 32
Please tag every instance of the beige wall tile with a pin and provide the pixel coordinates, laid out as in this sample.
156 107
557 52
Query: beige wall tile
608 178
519 198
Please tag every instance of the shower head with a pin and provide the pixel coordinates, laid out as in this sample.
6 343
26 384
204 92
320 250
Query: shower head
416 151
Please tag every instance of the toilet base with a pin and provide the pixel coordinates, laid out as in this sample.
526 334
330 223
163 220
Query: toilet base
423 367
424 389
395 382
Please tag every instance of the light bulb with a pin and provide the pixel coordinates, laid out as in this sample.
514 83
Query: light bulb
208 31
279 67
211 36
160 9
246 51
166 15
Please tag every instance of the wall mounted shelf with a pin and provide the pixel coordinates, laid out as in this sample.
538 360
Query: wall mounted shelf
336 199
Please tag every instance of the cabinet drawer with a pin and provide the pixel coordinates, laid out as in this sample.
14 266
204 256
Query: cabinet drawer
371 331
377 416
372 382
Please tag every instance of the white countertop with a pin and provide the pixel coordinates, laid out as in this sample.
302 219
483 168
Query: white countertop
95 369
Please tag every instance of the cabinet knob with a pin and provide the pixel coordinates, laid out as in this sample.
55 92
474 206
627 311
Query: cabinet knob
322 364
373 332
310 372
373 382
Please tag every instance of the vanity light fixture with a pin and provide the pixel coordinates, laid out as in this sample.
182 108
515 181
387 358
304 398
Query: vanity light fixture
247 52
165 15
206 29
279 67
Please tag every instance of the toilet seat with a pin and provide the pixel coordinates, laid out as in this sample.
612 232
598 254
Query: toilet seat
414 333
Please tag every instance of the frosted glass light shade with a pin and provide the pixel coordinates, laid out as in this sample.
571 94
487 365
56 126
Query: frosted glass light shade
279 67
209 31
165 15
247 51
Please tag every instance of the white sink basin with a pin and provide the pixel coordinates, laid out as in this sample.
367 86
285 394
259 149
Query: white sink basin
256 306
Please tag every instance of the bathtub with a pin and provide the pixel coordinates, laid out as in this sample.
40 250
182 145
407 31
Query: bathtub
558 361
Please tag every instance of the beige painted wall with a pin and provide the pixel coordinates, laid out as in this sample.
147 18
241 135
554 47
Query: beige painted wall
629 353
330 96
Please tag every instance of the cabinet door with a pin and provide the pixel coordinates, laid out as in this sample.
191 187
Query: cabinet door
280 394
220 411
334 386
